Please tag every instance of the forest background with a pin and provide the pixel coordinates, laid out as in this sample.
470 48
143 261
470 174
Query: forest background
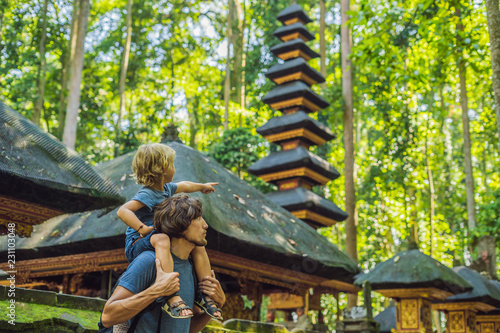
105 76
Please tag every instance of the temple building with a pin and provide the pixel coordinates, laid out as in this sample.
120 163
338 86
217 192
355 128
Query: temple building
255 246
414 280
42 178
294 169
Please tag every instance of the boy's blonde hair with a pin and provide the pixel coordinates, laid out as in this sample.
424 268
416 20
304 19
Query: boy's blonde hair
151 162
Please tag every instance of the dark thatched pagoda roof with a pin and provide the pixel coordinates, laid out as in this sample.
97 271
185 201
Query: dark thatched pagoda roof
484 290
495 312
300 198
292 45
413 269
291 159
387 319
294 11
294 66
293 28
37 168
296 120
243 222
293 90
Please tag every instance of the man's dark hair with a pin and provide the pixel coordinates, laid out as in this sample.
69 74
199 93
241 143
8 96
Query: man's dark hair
174 215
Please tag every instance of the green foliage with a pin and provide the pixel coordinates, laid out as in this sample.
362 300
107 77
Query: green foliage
406 98
237 149
488 217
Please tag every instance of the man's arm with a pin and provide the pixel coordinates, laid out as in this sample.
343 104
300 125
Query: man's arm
124 304
211 287
190 187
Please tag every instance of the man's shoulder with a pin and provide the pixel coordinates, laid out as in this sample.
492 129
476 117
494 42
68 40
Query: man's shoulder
147 256
144 260
140 274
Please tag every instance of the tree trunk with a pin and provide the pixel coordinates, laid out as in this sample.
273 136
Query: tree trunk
322 43
227 82
347 93
193 121
431 190
243 64
70 125
486 251
2 10
469 179
238 45
493 16
66 60
414 238
123 78
42 68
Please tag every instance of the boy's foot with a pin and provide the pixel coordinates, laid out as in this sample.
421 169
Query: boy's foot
210 307
177 308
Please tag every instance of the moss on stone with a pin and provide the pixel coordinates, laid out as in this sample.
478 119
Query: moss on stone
32 313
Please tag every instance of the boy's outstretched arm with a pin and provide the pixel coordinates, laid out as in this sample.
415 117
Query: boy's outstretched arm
127 214
190 187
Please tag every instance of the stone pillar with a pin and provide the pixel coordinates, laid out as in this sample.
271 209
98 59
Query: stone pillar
461 316
488 323
413 315
414 308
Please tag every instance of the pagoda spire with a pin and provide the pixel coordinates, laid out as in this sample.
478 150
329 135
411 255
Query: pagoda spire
294 169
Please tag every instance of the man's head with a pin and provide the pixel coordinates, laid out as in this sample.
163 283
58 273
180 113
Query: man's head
180 217
300 311
152 163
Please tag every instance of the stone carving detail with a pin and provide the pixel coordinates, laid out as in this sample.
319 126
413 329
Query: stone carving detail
457 321
356 312
487 328
425 315
409 310
235 308
472 322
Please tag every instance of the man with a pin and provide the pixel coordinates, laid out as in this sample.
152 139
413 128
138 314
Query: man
144 280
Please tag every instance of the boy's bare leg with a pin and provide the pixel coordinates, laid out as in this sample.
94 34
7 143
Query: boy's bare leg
202 267
161 243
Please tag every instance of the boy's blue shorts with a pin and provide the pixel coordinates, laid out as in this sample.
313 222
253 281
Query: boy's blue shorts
135 247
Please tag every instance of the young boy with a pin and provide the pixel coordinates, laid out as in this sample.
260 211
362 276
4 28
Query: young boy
153 166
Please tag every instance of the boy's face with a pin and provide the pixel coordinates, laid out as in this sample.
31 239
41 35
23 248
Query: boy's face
169 175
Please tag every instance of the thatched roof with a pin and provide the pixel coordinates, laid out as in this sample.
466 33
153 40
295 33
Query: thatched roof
413 269
291 159
484 290
297 65
300 198
37 168
292 12
292 45
293 121
242 221
387 319
293 90
293 28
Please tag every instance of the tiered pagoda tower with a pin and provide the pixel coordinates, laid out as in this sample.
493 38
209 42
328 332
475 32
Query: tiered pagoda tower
294 169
